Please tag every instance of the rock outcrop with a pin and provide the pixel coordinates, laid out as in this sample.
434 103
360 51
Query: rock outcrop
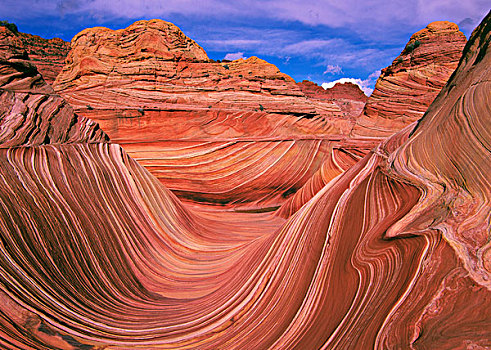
342 91
347 96
152 67
48 55
155 92
28 106
407 87
96 253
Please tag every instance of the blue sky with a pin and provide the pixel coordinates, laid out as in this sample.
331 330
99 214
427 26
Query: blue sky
322 40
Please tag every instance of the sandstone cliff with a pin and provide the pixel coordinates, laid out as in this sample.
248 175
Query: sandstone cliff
407 87
402 94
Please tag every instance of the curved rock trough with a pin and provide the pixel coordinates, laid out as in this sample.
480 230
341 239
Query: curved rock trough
377 242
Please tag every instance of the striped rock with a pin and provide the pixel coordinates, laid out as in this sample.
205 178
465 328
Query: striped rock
409 85
394 253
31 113
216 132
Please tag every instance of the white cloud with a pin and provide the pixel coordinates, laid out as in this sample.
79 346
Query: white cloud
366 85
331 69
234 56
374 76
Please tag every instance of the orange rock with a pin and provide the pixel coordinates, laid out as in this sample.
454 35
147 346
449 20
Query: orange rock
393 253
153 66
407 87
30 111
48 55
149 86
347 96
346 91
401 96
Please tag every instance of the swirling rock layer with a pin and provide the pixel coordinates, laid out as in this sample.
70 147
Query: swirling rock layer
30 112
393 253
244 122
407 87
250 174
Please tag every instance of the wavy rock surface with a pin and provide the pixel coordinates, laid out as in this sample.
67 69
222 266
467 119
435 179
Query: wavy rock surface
28 106
244 123
407 87
343 157
449 155
96 253
257 175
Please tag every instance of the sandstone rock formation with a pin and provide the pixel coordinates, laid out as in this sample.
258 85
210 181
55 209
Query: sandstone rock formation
28 105
155 92
406 88
96 253
48 55
151 66
187 119
347 91
347 96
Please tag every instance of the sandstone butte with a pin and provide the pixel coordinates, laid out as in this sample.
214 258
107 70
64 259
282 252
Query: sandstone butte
228 133
405 89
347 96
393 253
